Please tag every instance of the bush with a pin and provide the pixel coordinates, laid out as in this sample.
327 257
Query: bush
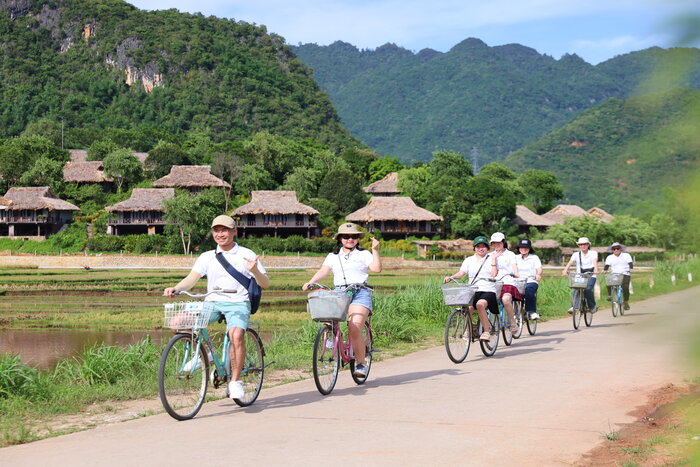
103 242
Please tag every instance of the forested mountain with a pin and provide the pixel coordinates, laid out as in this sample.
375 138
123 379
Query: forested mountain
622 154
494 99
97 64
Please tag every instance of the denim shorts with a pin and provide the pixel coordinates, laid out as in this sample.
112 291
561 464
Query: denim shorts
237 314
362 297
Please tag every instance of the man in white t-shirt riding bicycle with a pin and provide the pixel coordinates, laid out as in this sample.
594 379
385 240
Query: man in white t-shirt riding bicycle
234 306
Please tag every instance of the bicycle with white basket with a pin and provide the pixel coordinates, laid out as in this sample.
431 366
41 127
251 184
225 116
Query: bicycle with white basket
184 372
330 308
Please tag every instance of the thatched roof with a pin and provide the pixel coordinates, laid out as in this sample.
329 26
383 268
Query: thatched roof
459 244
33 198
525 217
144 199
4 202
604 250
80 155
387 185
87 172
190 176
545 244
391 208
562 211
600 214
274 202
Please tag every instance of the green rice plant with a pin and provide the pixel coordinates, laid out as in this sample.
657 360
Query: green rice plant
103 364
17 379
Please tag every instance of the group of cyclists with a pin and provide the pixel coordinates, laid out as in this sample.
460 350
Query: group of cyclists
351 264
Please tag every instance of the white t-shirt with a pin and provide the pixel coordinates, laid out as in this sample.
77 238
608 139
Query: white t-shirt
528 266
354 265
588 260
505 264
619 264
217 277
471 265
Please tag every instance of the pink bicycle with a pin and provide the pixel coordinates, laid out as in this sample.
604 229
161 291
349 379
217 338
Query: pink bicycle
329 307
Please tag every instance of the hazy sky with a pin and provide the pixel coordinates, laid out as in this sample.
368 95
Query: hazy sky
596 30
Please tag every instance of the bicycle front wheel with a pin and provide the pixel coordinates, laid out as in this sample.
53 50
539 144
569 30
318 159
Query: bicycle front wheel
619 301
576 300
458 335
253 368
367 337
183 376
326 360
505 327
488 348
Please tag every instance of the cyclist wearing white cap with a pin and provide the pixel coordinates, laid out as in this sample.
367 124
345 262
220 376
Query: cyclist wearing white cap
234 306
350 263
620 262
586 260
503 264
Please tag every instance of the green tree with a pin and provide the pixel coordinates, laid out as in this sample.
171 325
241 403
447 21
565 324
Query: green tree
189 216
541 189
99 149
19 154
379 168
162 157
344 190
360 159
44 172
253 177
123 167
48 128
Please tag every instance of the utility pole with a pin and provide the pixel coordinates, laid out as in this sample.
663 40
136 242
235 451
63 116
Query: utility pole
475 160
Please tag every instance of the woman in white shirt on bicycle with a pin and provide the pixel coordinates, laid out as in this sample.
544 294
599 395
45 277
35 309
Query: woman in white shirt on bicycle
586 260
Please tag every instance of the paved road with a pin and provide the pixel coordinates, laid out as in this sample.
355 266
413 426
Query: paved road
543 401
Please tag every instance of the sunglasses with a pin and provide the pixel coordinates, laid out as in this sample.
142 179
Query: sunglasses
617 248
349 237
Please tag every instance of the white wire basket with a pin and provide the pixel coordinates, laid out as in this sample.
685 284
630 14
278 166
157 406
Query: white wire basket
613 278
578 280
520 285
458 294
187 315
499 288
329 305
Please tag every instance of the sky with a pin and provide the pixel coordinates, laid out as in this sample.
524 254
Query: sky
595 30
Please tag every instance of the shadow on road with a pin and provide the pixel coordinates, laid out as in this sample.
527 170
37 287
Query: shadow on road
309 397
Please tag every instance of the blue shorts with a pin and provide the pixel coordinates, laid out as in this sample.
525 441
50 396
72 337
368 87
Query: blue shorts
362 297
237 314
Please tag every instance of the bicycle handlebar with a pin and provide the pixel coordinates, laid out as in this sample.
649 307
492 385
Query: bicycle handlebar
202 295
315 286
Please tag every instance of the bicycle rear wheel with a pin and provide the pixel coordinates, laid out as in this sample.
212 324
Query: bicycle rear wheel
488 348
367 337
576 301
531 325
518 315
458 335
326 360
620 303
587 317
183 376
253 368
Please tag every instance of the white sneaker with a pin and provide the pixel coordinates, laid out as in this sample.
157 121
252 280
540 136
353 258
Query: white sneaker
235 390
534 315
570 310
192 365
330 343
